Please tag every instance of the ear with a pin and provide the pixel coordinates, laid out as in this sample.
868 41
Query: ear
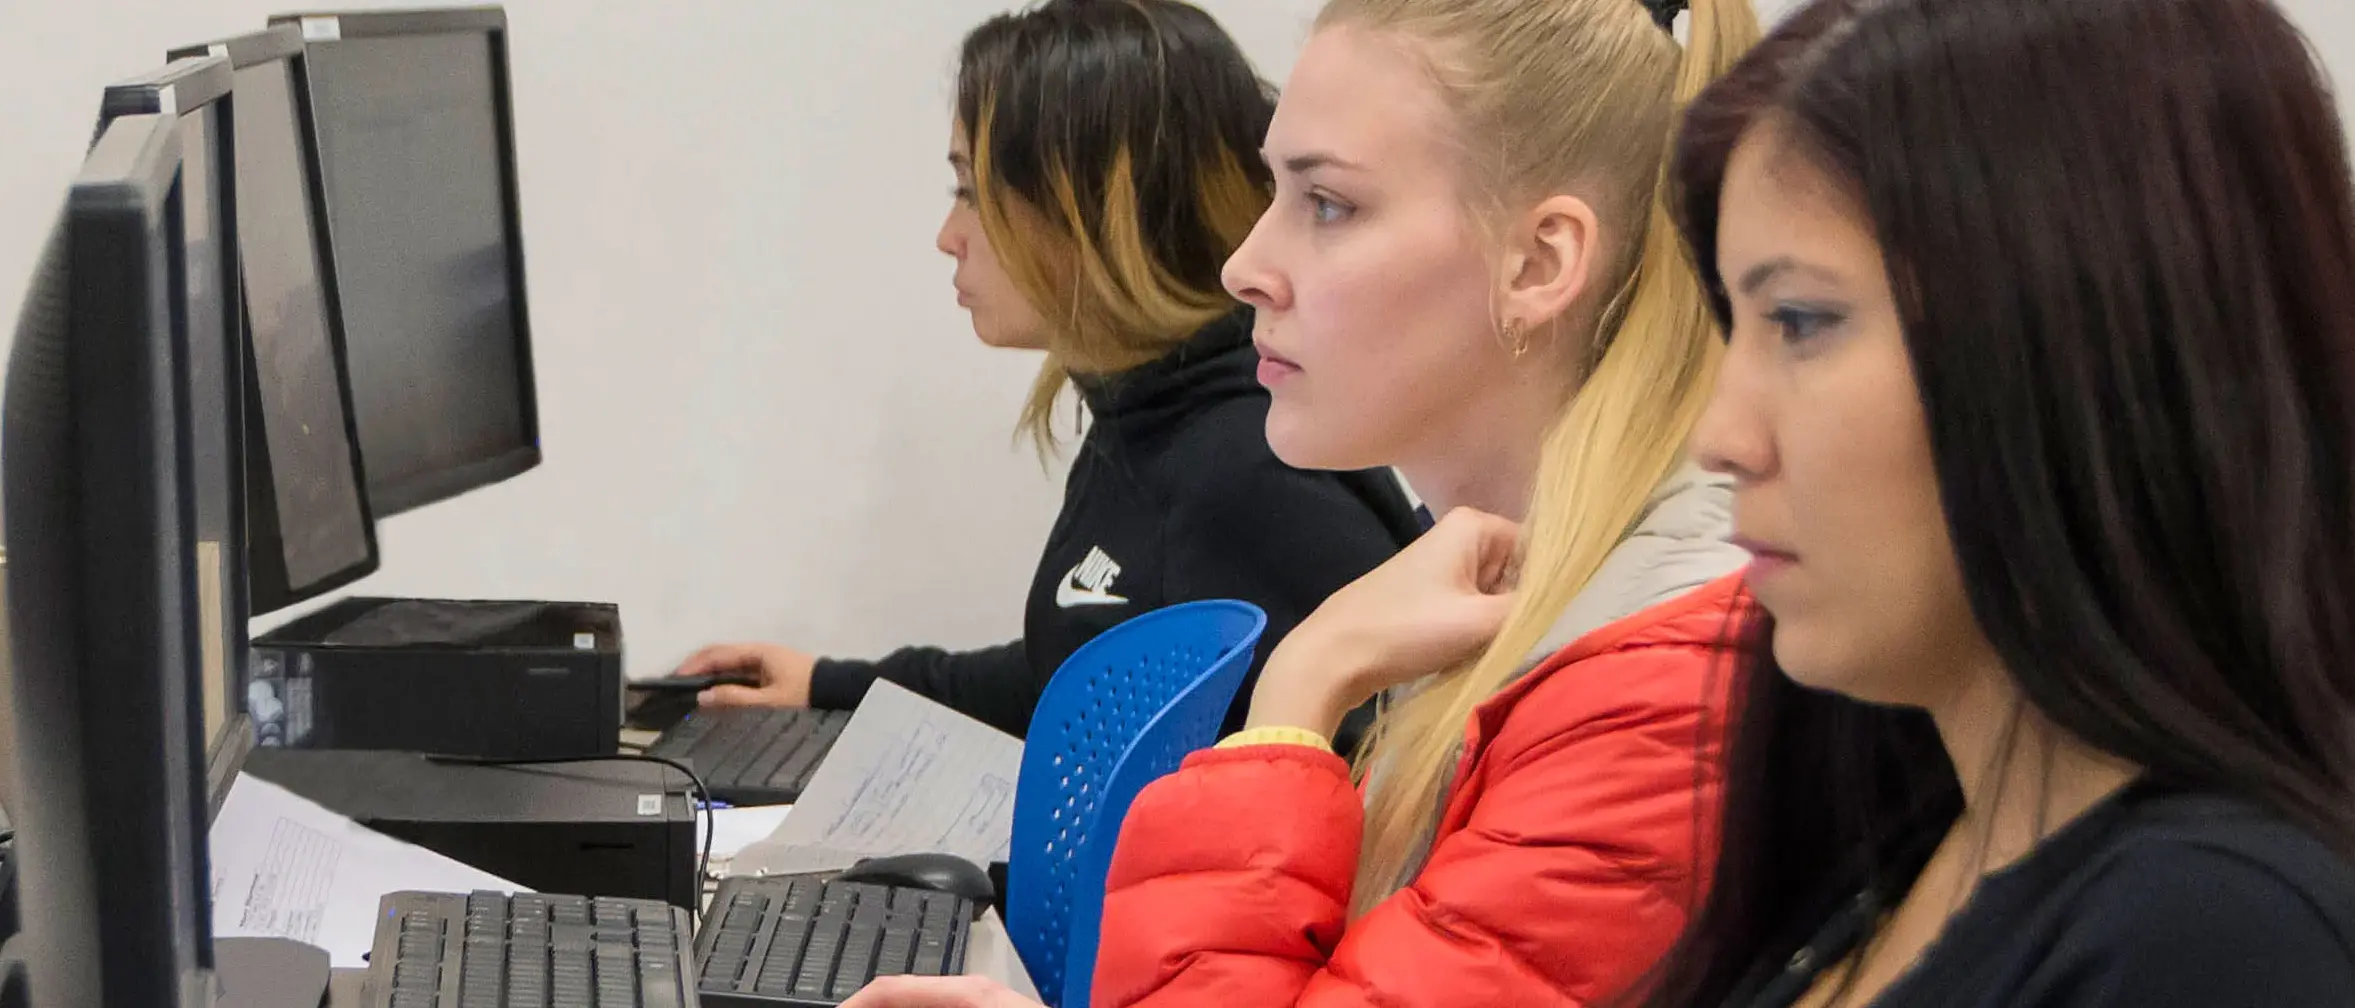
1552 256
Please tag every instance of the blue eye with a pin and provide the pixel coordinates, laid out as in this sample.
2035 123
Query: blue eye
1800 324
1326 210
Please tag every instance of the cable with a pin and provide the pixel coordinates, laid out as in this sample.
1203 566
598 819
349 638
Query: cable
701 795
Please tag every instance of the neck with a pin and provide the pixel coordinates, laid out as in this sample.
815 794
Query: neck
1493 481
1487 458
2022 776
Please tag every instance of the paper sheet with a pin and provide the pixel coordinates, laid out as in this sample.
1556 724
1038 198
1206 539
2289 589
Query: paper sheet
906 776
733 829
286 867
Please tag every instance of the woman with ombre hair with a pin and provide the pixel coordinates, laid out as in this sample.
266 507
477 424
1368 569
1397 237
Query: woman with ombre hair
1107 164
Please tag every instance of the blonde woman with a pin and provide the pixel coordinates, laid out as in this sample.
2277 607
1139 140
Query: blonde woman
1468 273
1106 157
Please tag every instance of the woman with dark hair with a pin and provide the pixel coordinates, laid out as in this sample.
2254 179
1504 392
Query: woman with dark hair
1107 163
2040 402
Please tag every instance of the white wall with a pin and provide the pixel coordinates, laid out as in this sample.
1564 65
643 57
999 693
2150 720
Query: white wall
763 413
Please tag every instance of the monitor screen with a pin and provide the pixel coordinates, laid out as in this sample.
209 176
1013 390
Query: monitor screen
195 92
324 532
215 406
415 148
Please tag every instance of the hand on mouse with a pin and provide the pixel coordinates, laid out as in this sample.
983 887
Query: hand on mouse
781 673
1431 607
938 992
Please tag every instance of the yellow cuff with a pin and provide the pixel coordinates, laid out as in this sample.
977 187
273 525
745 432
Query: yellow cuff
1276 735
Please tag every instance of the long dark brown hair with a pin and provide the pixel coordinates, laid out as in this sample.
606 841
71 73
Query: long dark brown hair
2119 234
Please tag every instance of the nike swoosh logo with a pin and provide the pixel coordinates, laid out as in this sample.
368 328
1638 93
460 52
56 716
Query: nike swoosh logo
1070 596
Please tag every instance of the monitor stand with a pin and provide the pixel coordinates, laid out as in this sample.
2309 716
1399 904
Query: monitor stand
268 973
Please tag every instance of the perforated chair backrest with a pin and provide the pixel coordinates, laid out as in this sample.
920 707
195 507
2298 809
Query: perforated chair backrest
1124 711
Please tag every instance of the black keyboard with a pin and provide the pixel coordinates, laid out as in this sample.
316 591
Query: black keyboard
445 950
753 756
804 942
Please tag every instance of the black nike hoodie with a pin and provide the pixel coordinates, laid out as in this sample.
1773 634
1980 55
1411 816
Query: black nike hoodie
1173 497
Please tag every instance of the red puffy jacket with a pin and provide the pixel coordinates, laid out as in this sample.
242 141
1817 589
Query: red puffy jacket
1571 851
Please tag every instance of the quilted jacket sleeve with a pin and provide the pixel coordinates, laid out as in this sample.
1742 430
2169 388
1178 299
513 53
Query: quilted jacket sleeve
1570 874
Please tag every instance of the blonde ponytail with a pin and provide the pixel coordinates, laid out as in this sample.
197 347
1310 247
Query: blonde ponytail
1655 356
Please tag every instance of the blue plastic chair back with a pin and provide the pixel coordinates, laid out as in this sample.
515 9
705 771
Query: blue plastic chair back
1124 711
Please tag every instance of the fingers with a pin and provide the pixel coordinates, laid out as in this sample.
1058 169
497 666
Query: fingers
937 992
1488 613
719 658
1491 547
733 696
1478 529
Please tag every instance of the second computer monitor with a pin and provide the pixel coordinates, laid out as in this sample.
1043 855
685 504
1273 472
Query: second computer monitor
416 146
307 506
195 94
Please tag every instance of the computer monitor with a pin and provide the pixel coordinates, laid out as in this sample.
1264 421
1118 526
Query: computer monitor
417 147
194 93
309 527
101 596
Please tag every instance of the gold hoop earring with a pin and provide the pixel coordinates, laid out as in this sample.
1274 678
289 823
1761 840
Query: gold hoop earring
1516 338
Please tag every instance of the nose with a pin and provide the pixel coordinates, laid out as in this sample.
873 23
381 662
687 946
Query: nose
1251 277
951 239
1734 436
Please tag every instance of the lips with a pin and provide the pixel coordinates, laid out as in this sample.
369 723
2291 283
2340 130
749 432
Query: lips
1274 368
1766 559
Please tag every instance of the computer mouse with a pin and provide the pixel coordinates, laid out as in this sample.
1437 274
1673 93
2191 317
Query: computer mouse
694 684
946 873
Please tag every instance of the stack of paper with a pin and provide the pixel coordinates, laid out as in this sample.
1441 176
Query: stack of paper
287 867
906 776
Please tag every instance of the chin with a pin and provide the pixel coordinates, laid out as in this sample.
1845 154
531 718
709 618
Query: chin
1801 657
1302 441
1819 664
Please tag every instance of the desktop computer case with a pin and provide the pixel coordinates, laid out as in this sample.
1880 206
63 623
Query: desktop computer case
588 829
549 689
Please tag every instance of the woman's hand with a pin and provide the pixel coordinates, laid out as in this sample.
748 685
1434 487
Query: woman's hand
1434 605
938 992
780 674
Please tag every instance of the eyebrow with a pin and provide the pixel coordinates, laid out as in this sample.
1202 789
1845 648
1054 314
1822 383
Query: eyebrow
1759 275
957 160
1301 164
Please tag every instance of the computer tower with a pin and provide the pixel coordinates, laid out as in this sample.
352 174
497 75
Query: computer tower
621 828
495 679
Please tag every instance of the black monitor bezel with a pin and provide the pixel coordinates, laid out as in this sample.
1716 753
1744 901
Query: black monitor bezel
176 89
435 487
267 587
113 868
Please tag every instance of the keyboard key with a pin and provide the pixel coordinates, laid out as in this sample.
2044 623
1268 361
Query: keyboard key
421 973
898 953
932 955
776 975
793 773
858 959
723 971
660 990
762 765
